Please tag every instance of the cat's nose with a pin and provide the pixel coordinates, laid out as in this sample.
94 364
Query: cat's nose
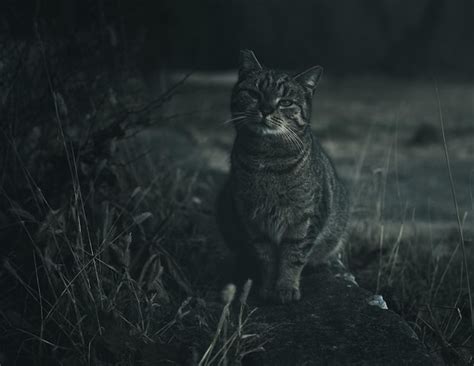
266 109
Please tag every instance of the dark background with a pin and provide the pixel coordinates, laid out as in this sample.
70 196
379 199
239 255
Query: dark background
99 129
395 37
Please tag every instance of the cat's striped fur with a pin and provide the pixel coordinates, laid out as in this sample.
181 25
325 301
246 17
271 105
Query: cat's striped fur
283 203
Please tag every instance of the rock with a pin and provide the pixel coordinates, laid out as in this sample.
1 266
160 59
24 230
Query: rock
336 323
377 300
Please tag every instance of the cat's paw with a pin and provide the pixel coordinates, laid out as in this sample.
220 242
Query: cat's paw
285 294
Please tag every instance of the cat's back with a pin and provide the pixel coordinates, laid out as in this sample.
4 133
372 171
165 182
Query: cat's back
334 205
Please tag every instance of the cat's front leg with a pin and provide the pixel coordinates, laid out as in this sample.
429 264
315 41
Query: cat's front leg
268 258
293 257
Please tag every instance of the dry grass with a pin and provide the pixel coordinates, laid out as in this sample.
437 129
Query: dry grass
417 265
94 271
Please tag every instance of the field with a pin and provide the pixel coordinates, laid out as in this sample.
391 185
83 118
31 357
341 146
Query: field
112 253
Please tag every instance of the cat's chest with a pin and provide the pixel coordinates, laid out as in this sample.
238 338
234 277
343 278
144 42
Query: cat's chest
272 203
271 189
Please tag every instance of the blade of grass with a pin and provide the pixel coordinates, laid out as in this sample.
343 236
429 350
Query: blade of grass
456 206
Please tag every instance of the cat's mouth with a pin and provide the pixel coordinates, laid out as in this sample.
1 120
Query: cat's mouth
266 127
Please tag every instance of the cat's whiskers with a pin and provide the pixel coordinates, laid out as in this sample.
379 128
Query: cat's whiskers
290 135
241 122
296 141
285 134
234 119
295 137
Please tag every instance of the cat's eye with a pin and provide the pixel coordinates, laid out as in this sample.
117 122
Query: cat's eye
285 103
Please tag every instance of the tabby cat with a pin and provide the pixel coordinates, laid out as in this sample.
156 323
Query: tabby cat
283 204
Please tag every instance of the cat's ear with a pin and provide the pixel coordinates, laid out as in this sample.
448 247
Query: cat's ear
248 63
310 78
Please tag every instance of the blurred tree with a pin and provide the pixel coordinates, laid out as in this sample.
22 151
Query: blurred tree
410 53
399 37
453 51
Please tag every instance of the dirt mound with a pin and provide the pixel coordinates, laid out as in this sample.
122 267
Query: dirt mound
337 323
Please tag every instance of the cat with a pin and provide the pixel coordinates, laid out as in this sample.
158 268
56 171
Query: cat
283 205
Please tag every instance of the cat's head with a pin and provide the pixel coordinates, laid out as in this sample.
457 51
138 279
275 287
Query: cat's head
268 102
